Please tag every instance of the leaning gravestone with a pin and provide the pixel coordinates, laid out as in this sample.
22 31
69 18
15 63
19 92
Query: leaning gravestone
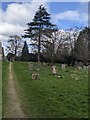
54 70
63 66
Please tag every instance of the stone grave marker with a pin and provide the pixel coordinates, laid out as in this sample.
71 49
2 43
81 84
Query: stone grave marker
80 65
30 66
85 67
63 66
54 70
35 76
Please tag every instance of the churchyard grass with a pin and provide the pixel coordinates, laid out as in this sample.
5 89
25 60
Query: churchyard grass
0 89
5 69
50 96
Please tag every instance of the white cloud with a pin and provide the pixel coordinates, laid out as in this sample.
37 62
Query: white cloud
16 16
1 13
10 29
69 15
20 13
72 16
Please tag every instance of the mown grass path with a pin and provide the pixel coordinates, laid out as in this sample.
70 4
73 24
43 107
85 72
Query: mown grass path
13 109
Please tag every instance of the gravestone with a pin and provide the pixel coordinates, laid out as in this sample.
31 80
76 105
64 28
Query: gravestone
74 76
85 67
37 66
54 70
30 66
63 66
88 67
35 76
44 63
80 65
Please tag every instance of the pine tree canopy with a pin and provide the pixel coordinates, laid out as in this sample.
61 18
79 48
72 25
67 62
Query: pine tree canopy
40 24
25 52
39 28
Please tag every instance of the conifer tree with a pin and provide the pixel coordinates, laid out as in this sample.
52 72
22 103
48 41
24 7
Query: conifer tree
40 27
25 52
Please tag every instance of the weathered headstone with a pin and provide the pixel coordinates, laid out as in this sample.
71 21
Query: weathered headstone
30 66
44 63
85 67
35 76
88 67
80 65
63 66
54 70
37 67
74 76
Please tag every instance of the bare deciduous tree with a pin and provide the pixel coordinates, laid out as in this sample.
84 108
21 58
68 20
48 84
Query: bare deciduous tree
14 45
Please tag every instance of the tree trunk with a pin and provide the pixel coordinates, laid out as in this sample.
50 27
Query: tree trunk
15 53
52 53
39 45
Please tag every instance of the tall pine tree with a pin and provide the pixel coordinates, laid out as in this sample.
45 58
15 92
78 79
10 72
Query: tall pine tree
40 27
25 52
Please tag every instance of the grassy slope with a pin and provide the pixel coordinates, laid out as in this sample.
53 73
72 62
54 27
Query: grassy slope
0 89
5 66
50 96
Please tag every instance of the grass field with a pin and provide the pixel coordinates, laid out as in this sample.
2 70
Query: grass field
51 96
0 89
5 66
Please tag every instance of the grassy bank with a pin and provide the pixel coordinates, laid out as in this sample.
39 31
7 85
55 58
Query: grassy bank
51 96
0 89
5 69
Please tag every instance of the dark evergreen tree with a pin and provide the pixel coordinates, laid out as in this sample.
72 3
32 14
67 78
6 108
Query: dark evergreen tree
40 27
10 57
3 56
0 51
25 52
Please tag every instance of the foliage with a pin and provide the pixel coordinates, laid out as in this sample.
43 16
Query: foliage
39 28
25 52
14 45
81 46
10 56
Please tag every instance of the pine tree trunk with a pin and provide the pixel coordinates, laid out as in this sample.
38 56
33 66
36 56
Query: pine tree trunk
39 44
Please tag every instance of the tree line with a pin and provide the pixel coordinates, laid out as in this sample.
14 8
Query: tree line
48 43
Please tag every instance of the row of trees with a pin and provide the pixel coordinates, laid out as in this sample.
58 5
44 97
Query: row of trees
50 44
